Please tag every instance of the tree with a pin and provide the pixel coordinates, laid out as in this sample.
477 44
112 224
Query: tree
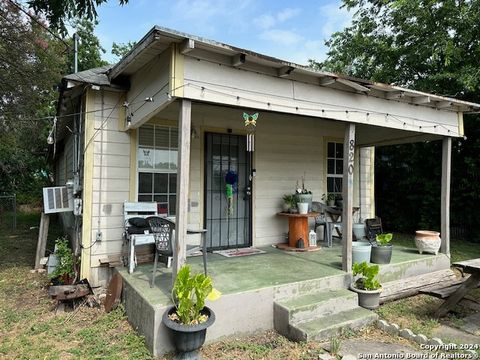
432 46
33 60
31 63
121 49
89 49
58 12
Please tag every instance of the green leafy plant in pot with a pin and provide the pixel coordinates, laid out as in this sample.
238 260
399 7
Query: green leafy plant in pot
366 284
189 318
289 202
64 272
382 249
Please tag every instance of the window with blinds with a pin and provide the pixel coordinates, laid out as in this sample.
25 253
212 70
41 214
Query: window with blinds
157 166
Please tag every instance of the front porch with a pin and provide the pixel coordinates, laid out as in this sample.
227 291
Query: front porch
253 286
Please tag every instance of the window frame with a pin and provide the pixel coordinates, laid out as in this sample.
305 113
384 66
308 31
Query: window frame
334 175
153 171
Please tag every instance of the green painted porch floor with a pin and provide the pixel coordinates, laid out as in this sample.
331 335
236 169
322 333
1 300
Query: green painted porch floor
235 275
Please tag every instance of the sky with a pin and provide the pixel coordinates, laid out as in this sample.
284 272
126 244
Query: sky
290 30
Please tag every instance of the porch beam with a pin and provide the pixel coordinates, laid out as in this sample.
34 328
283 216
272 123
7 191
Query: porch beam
183 177
392 95
285 71
326 81
421 100
353 85
444 104
347 194
445 200
186 46
238 60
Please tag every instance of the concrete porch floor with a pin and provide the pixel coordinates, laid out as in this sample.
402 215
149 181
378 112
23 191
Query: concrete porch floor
274 268
251 285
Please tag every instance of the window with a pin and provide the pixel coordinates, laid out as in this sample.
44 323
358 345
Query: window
157 166
334 167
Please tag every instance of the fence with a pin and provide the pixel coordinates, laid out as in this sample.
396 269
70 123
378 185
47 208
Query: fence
8 211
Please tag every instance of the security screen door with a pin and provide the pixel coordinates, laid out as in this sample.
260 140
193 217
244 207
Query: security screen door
227 191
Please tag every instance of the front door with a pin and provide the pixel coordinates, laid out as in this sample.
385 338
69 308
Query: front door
227 191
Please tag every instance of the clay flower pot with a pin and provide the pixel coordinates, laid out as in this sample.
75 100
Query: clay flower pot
427 241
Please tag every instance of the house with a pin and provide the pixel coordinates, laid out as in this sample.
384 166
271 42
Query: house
169 120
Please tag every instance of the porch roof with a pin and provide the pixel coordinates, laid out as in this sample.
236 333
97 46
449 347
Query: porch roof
159 39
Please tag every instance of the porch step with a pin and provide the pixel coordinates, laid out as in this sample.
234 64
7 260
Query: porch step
324 327
310 306
315 316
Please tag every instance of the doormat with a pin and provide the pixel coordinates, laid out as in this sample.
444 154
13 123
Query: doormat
239 252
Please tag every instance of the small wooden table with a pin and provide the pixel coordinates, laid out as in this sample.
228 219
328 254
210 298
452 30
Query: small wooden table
298 227
469 266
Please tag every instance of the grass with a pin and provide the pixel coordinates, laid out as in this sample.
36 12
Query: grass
416 313
29 327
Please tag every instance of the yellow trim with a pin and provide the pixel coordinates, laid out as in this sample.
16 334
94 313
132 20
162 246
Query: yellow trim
461 130
133 164
88 185
177 66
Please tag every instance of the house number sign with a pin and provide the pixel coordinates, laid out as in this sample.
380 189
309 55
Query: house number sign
351 156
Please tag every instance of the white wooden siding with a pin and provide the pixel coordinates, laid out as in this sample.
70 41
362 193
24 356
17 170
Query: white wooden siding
207 81
111 177
150 81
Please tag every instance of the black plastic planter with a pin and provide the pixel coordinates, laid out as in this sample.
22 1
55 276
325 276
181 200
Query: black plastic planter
187 339
381 254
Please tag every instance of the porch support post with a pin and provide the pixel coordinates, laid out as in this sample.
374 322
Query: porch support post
445 201
183 177
347 215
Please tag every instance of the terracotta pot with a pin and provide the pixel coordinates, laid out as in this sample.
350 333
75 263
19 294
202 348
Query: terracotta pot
427 241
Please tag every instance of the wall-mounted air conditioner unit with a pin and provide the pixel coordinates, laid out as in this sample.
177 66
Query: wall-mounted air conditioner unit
57 199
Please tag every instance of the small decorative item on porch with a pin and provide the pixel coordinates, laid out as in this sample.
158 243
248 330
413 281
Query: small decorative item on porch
289 203
303 195
382 249
231 179
366 286
189 318
250 124
427 241
329 199
312 238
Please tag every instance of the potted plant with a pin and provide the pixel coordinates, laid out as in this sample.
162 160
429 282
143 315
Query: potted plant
289 202
366 285
329 199
302 195
189 318
64 271
382 249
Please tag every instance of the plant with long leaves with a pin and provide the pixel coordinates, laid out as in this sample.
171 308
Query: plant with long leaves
189 294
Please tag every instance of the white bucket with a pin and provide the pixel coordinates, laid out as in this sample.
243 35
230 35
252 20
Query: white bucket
302 208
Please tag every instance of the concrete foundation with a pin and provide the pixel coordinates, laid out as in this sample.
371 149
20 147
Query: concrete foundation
250 286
